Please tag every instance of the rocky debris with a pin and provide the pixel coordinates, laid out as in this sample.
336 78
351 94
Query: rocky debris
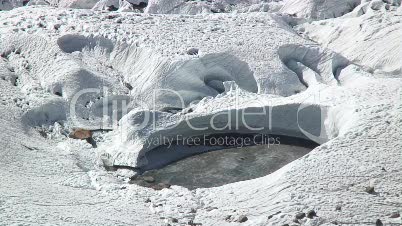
148 200
242 219
370 190
193 210
128 85
191 223
395 215
300 215
379 223
192 51
338 207
56 26
229 218
111 8
80 134
160 186
148 179
210 208
239 219
272 215
92 142
311 214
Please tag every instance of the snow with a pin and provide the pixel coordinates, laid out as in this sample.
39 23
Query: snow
334 79
375 34
318 10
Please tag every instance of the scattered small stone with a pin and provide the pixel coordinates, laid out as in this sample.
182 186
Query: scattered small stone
80 134
57 26
228 218
148 179
43 133
111 8
395 215
187 110
370 190
92 142
311 214
174 220
193 210
210 208
242 219
128 85
160 186
285 225
270 216
338 207
148 200
192 51
300 215
110 16
379 223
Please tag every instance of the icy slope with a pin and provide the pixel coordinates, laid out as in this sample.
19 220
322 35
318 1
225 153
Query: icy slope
254 38
44 184
369 36
318 10
213 6
155 6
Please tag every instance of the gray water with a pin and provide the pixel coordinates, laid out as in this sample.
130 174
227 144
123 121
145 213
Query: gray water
217 168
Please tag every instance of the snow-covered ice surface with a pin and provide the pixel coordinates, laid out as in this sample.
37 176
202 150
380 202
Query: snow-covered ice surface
346 69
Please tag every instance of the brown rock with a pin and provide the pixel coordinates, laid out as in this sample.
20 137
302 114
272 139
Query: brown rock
395 215
80 134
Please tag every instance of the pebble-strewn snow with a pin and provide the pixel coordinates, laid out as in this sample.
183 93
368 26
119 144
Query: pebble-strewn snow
232 56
